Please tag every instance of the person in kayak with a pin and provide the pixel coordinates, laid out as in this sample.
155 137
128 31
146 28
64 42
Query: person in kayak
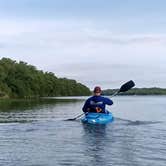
96 103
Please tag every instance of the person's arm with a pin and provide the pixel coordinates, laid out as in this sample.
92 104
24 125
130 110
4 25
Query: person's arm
85 107
108 101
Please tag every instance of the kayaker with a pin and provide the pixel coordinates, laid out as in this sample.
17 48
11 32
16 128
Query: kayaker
97 103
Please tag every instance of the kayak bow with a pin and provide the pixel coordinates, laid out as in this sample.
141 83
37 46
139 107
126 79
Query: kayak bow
97 118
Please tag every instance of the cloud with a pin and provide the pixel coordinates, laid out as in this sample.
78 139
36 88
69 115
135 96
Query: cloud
82 51
70 35
110 75
81 40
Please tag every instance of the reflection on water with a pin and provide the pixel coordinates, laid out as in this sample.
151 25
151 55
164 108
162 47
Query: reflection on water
34 132
95 142
21 104
22 111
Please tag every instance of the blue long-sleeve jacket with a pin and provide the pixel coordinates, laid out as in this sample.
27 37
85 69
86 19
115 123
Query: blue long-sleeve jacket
96 104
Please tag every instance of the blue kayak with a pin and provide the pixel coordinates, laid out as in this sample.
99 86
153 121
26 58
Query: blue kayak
97 118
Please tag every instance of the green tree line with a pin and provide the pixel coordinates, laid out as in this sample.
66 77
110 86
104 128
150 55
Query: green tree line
138 91
21 80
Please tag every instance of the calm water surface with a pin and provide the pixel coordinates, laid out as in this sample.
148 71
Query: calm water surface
36 133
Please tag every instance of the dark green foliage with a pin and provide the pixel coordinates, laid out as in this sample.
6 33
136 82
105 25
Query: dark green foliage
25 81
138 91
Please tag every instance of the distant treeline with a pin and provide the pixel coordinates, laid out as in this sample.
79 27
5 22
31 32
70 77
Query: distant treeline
20 80
138 91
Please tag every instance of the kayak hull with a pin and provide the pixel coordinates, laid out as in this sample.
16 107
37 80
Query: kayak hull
97 118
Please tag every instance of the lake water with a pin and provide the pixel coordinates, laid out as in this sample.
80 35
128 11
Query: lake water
36 133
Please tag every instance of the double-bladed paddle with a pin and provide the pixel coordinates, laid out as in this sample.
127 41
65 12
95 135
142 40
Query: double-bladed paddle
125 87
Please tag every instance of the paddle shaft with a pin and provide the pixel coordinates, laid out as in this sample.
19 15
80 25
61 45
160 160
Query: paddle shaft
114 94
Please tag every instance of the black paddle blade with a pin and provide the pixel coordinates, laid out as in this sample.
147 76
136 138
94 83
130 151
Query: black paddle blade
128 85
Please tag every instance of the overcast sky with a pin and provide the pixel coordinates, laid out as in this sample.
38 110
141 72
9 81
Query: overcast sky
96 42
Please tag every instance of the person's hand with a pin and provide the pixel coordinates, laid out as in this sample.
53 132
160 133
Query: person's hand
98 109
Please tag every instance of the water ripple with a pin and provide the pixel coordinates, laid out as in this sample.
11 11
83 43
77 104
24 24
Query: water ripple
38 135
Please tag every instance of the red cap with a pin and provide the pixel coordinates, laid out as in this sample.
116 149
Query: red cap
97 89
